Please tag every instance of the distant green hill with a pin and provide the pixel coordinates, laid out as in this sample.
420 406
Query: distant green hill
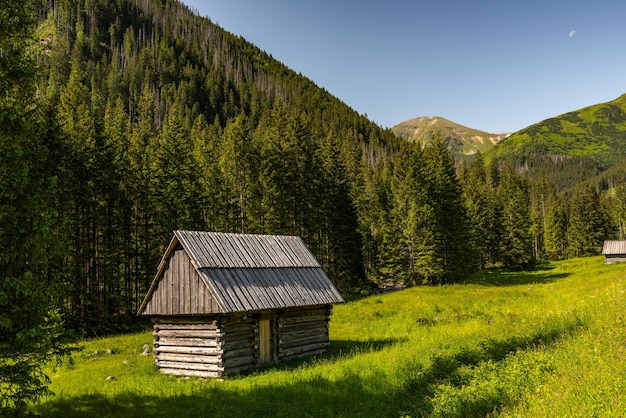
461 140
581 143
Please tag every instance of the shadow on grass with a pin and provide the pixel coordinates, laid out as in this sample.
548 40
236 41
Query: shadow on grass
541 274
339 350
413 391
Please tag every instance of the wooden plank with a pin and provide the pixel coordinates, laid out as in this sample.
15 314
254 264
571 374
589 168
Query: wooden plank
245 288
278 287
266 292
301 326
265 341
307 311
255 251
227 298
213 291
190 358
212 244
191 373
305 354
238 300
301 319
288 256
189 366
188 341
260 253
238 327
233 370
293 295
239 361
301 333
186 321
205 351
303 342
301 282
304 350
240 244
212 257
229 345
195 333
239 352
309 279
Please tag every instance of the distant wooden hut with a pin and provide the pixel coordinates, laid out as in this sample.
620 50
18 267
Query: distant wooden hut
614 252
224 303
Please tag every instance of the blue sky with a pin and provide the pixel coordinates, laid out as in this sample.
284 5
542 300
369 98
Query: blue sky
494 65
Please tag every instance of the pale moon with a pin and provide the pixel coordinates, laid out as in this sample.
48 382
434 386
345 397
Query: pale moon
572 33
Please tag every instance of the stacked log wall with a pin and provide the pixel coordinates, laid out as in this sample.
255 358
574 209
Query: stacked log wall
239 344
188 346
219 345
303 332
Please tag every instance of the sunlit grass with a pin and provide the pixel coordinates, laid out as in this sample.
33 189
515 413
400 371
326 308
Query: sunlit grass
551 342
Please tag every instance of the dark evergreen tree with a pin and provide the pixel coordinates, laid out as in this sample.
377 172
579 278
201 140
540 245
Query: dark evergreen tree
555 231
482 210
516 244
445 254
587 222
31 332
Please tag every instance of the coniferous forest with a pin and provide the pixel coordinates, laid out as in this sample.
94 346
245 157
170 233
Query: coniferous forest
122 120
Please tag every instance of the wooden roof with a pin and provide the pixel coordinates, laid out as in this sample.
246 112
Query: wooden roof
246 272
614 247
217 250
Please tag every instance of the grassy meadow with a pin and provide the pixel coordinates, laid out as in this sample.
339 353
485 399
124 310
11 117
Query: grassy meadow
551 342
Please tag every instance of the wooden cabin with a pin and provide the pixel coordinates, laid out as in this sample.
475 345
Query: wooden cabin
614 252
223 303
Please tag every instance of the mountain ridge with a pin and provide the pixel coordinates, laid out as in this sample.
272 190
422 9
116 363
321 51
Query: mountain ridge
461 140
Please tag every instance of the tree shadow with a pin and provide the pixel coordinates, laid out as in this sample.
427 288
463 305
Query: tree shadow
339 350
541 274
412 391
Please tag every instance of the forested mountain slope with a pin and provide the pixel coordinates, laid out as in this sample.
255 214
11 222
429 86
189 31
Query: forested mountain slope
583 142
156 119
166 121
461 140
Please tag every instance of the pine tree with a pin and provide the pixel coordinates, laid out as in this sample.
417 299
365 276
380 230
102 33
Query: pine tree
445 255
480 203
237 158
31 333
587 222
516 244
555 231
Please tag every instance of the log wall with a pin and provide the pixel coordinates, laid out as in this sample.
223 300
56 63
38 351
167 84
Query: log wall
188 346
303 332
218 345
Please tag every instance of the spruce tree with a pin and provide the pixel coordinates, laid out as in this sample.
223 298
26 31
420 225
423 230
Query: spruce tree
555 231
31 332
445 255
516 244
479 199
587 222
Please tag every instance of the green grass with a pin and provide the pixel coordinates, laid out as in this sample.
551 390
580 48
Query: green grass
551 342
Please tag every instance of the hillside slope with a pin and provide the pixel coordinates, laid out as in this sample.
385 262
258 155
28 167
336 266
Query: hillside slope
589 140
166 121
485 348
461 140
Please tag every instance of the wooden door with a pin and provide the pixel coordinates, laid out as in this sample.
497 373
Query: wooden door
266 341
